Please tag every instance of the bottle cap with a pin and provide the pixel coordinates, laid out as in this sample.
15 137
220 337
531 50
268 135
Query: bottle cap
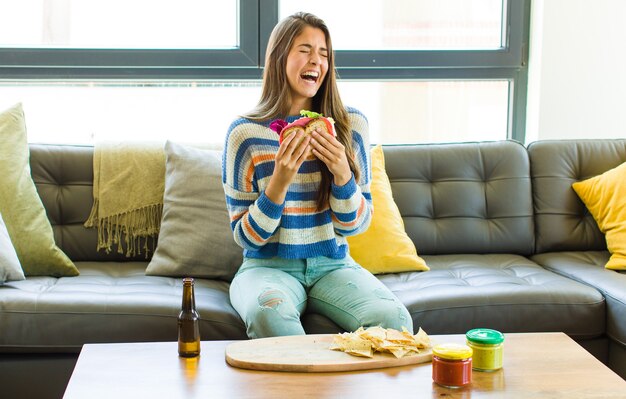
452 351
484 336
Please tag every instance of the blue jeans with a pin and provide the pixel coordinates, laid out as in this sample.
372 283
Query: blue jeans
271 294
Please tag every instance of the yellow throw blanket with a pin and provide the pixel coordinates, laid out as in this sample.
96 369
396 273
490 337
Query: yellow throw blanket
128 185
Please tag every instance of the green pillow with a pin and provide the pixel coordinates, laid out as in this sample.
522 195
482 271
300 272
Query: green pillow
20 205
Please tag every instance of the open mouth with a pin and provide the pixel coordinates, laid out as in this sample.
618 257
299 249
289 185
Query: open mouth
310 76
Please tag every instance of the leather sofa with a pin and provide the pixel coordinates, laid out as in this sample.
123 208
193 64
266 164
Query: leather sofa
509 244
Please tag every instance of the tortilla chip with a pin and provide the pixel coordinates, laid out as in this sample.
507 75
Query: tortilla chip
365 341
362 353
397 336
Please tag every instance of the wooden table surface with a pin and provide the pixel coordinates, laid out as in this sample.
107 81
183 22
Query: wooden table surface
536 365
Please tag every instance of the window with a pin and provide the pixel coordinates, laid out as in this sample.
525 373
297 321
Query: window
86 112
421 70
430 112
408 24
123 24
102 39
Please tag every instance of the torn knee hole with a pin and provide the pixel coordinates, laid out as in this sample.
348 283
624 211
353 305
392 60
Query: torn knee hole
271 298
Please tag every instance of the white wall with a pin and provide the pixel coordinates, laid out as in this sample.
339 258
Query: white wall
577 70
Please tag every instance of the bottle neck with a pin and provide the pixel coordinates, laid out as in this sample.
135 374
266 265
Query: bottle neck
189 301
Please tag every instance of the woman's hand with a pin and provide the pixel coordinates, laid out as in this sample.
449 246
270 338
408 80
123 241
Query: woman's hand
330 151
290 156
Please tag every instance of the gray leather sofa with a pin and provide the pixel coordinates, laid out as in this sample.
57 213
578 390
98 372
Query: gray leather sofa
509 244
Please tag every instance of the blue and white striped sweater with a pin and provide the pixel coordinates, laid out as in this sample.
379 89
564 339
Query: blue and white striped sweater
294 229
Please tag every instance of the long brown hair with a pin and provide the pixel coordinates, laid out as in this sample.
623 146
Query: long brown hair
276 99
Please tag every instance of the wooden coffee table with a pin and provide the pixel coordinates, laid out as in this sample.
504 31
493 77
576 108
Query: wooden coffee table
536 365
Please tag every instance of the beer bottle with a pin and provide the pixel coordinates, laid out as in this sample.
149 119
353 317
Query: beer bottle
188 329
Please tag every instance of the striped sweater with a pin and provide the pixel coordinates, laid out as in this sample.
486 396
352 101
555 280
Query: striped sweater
294 229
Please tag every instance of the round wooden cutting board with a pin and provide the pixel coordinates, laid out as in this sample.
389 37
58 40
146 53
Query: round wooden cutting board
310 354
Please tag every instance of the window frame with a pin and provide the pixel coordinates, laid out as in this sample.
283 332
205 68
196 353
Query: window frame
509 62
83 63
246 62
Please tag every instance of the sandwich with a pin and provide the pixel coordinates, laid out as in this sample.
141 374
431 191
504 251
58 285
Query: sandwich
308 122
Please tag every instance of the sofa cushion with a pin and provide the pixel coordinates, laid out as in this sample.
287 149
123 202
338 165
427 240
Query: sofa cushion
384 247
509 293
10 268
108 302
588 268
464 198
605 198
195 238
563 223
21 207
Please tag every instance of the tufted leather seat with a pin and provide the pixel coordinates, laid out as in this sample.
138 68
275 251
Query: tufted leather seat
563 222
509 245
473 201
108 302
112 300
568 239
468 208
464 198
506 292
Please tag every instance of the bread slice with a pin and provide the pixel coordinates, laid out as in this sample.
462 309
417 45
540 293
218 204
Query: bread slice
317 123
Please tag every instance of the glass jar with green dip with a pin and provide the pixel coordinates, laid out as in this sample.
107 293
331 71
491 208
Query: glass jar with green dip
487 347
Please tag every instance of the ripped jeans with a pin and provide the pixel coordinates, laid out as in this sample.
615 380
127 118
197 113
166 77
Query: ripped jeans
271 294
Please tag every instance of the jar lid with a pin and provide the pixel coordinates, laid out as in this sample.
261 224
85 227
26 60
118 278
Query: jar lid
452 351
484 336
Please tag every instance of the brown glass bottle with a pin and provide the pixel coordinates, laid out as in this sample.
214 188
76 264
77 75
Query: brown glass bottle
188 329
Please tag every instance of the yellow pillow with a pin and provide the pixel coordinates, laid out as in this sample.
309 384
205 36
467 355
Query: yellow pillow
384 247
605 197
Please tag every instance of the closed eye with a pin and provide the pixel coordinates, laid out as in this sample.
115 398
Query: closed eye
307 49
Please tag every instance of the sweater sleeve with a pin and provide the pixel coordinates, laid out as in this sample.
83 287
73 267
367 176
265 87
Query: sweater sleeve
351 204
253 216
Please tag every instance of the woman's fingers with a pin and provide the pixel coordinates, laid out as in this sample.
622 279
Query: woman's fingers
303 147
327 140
298 146
293 151
319 149
290 142
329 149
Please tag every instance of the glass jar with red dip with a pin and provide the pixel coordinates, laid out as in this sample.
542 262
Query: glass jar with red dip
452 365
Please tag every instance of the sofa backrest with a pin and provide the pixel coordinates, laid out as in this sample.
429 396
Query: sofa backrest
454 198
63 175
562 220
464 198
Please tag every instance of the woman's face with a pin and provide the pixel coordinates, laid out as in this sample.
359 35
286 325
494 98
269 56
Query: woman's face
307 64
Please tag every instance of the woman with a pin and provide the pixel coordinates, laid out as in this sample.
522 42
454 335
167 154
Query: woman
290 214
